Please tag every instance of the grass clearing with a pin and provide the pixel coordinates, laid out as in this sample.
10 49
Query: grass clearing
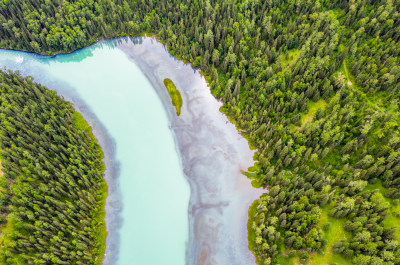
374 100
5 230
312 109
282 260
392 220
335 233
349 82
174 94
289 57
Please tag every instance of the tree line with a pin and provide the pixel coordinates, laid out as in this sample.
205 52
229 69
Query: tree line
270 62
54 191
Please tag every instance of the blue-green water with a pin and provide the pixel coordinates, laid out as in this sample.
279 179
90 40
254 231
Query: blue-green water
149 181
149 213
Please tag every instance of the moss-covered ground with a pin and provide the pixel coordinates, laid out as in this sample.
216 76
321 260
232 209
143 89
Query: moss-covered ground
174 94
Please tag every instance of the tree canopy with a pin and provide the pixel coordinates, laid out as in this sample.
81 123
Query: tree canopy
53 190
313 84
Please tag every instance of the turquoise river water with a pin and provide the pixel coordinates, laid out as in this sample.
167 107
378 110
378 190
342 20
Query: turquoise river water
176 194
152 185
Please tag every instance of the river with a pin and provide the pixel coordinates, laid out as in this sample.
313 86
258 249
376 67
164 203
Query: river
175 192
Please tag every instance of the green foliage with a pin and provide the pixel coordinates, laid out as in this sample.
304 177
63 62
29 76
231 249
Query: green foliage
174 94
251 226
313 109
282 70
55 200
334 232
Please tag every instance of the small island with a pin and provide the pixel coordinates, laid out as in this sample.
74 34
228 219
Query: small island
174 94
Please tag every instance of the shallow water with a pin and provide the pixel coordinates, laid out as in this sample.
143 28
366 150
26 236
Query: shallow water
149 151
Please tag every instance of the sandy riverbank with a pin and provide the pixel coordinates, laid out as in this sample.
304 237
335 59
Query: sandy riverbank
211 150
212 154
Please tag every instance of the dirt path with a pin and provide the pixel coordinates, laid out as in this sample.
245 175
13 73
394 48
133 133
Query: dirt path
347 73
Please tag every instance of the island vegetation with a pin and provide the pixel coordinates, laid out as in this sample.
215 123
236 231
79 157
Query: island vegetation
174 94
313 84
52 190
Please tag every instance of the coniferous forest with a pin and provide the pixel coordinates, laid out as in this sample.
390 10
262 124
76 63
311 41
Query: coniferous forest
52 191
314 85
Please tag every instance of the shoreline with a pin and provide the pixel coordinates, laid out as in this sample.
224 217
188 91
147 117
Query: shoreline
212 153
93 43
80 123
113 201
105 146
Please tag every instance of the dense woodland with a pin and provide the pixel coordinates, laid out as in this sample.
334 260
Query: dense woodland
314 85
52 191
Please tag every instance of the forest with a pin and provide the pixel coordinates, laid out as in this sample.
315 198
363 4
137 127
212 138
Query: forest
314 86
52 191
